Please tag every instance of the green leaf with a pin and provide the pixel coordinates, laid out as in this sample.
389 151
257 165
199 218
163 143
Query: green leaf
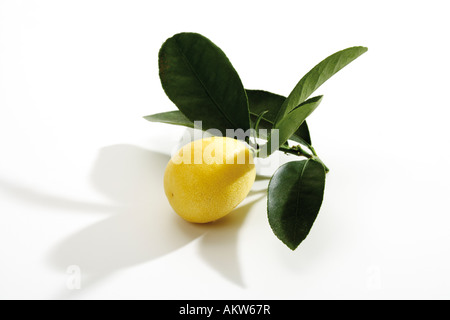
317 76
171 117
292 121
295 195
260 101
258 120
198 77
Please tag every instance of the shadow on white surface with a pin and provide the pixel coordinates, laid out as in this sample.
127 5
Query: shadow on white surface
142 226
36 197
219 247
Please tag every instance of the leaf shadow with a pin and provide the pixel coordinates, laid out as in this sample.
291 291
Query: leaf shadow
140 226
144 227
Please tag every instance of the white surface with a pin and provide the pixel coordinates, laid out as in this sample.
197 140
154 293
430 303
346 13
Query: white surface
80 170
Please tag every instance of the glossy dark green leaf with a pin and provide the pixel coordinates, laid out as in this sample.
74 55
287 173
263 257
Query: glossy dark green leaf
258 120
198 77
295 196
171 117
260 101
290 123
317 76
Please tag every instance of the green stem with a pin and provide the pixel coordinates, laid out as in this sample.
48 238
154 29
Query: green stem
310 147
298 151
319 160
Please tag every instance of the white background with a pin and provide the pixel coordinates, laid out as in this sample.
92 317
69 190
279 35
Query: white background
81 171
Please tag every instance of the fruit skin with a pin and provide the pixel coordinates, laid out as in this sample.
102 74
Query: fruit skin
206 179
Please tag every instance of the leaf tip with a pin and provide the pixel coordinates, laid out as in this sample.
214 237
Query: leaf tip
362 49
292 247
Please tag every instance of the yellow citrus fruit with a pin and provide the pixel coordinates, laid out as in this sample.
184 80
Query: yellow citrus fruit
207 178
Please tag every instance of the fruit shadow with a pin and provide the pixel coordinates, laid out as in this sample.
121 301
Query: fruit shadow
219 246
140 226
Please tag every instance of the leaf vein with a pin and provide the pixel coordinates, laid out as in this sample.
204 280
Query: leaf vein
205 88
297 206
